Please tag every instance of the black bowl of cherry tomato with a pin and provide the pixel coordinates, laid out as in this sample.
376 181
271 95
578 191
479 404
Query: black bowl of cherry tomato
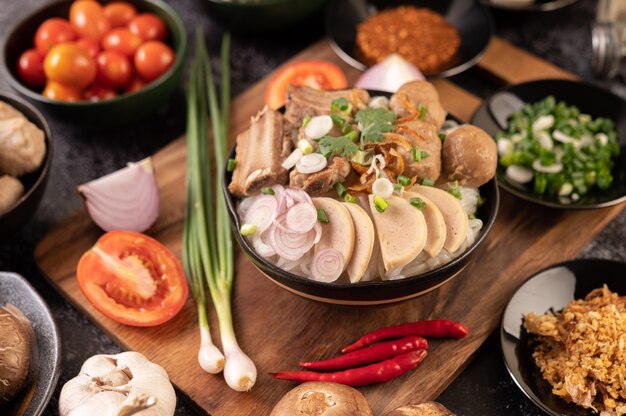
91 60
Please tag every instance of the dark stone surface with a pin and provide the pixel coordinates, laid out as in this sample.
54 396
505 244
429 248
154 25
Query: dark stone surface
484 388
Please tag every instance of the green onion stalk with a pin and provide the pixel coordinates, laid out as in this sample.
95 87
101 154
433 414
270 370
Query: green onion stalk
208 248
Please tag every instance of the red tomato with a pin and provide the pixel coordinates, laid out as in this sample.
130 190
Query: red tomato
321 75
69 65
135 85
119 13
99 92
30 68
52 32
148 26
60 92
152 59
132 279
88 19
121 40
114 69
91 46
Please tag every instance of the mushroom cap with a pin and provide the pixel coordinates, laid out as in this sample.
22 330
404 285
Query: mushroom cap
322 399
14 352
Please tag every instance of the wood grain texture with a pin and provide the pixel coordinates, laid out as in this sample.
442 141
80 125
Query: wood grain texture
279 329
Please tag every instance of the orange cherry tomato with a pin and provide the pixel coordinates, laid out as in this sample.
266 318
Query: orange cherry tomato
148 26
30 68
152 59
91 46
52 32
132 279
321 75
135 84
114 69
88 19
60 92
119 13
121 40
98 92
70 65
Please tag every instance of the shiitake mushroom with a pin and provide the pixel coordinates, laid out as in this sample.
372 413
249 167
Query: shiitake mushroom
14 352
322 399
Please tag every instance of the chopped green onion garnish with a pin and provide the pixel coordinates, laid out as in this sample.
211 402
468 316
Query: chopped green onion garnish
305 146
418 154
340 105
321 216
341 190
403 180
247 229
267 191
232 164
350 198
442 136
337 120
397 186
352 135
380 203
454 190
347 128
362 157
417 203
305 121
428 182
422 111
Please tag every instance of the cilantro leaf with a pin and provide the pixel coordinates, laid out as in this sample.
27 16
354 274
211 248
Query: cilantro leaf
373 122
342 145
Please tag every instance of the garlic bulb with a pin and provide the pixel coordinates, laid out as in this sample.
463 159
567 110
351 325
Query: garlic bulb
118 385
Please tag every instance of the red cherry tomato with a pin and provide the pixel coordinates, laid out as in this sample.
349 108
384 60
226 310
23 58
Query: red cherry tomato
88 19
91 46
52 32
99 92
135 84
119 13
148 26
60 92
121 40
152 59
114 69
69 65
30 68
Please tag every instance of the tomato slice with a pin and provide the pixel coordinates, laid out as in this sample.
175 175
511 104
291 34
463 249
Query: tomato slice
132 279
321 75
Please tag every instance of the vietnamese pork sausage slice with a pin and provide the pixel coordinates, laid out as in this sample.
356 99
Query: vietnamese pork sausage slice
401 231
453 214
363 243
469 156
435 224
423 136
338 233
415 94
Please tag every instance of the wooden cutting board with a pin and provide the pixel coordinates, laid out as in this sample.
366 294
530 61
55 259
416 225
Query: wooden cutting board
278 329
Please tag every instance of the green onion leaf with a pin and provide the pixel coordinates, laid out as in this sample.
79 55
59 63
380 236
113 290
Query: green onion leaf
397 186
442 137
341 190
350 198
305 121
267 191
422 111
454 190
428 182
403 180
232 164
380 203
321 216
247 229
417 203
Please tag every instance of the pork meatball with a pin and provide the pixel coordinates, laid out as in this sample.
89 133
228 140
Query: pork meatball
11 190
423 135
415 94
469 156
22 144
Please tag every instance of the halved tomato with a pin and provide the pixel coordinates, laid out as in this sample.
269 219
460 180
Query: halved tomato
132 279
321 75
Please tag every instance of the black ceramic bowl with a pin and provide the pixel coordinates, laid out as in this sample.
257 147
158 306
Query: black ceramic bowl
529 6
34 183
119 110
371 292
589 99
471 18
262 15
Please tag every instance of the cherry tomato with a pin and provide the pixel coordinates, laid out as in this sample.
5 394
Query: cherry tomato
132 279
135 84
30 68
60 92
119 13
91 46
52 32
114 69
121 40
321 75
88 19
99 92
70 65
148 26
152 59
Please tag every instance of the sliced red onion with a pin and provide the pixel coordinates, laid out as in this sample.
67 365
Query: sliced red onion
389 75
292 159
301 218
299 195
291 246
261 247
327 265
382 187
311 163
318 232
124 200
318 127
262 212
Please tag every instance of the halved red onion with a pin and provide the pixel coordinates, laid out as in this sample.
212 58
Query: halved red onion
262 212
301 218
290 245
311 163
127 199
389 75
327 265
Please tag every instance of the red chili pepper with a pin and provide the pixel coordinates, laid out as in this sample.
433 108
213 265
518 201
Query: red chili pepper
373 373
369 355
441 328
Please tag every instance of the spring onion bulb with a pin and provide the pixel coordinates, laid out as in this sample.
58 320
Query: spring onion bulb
311 163
562 137
318 127
382 187
553 168
305 146
543 123
519 174
379 102
292 159
389 75
544 139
